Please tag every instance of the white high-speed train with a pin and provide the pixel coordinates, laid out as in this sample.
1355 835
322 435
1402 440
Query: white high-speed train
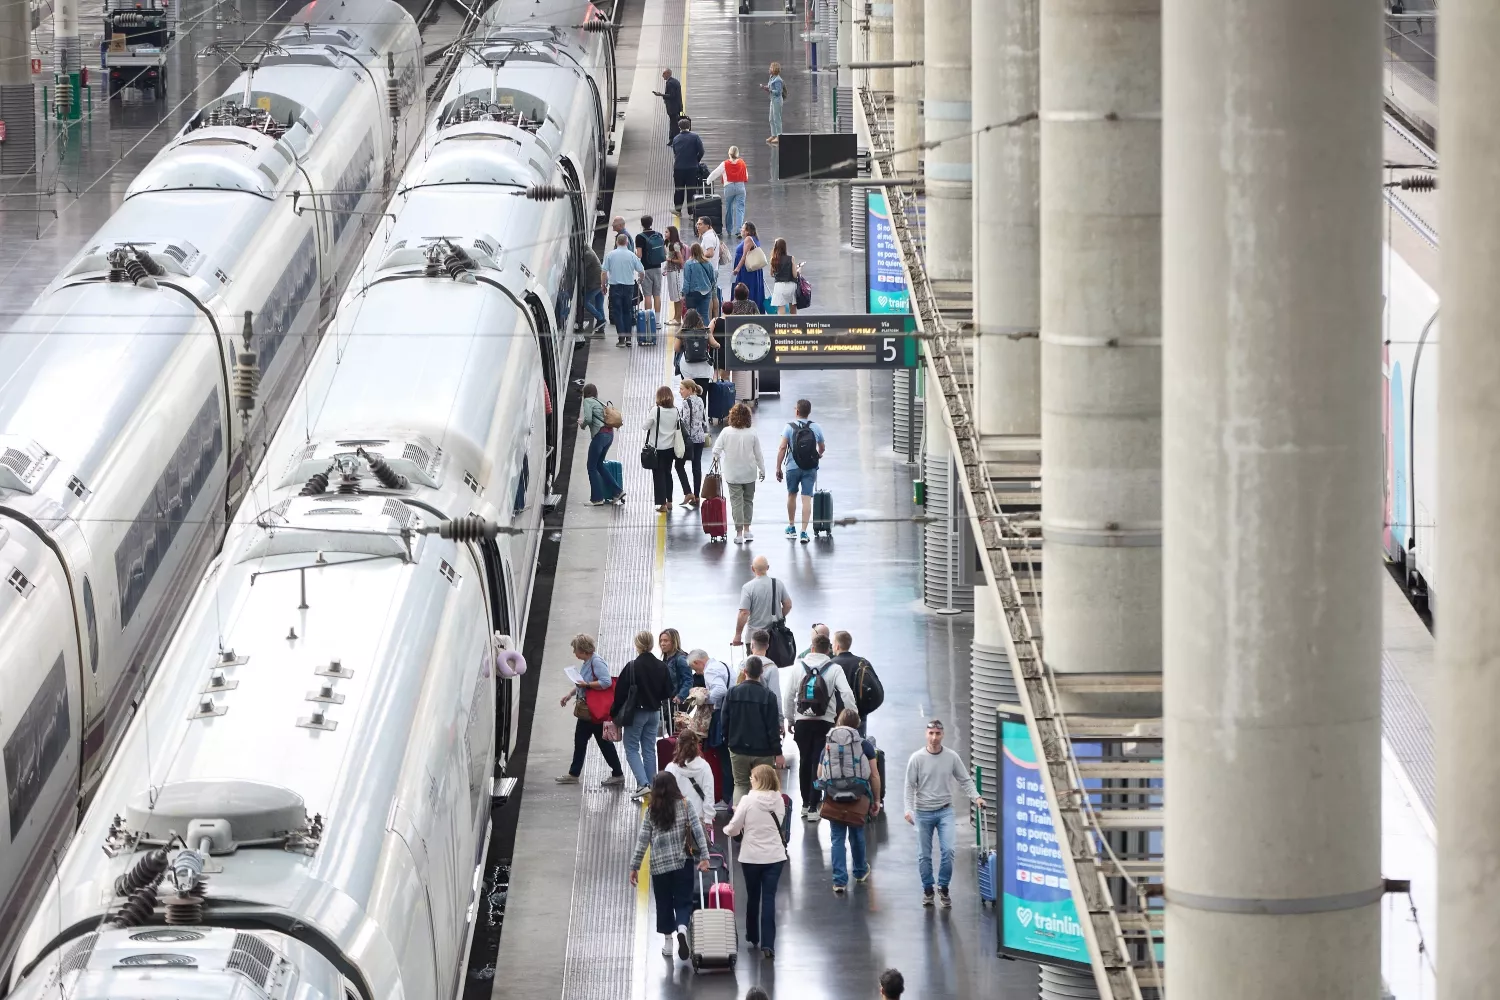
321 736
121 448
1409 361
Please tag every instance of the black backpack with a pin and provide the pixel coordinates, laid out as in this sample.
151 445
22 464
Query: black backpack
869 693
804 445
813 695
655 254
695 347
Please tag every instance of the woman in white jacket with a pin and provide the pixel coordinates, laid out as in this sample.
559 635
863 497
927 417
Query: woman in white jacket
761 817
664 436
695 776
738 456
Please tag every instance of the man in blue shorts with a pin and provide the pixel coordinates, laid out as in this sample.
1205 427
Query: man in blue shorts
797 462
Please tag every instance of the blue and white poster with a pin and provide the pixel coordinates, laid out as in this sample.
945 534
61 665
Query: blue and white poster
1038 918
884 279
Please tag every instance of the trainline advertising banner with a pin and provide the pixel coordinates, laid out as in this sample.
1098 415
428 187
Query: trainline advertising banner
1038 918
884 279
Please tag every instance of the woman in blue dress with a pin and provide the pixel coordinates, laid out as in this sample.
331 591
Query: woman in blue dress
755 280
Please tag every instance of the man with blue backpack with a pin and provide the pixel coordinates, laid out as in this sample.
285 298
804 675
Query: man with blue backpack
850 784
797 461
818 692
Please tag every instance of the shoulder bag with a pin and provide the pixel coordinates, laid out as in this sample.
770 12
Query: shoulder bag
626 712
648 451
612 417
783 647
755 259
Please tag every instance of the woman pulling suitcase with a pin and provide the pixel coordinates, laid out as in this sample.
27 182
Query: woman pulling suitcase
668 826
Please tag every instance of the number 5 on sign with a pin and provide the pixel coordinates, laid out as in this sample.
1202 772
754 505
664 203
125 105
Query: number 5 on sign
888 349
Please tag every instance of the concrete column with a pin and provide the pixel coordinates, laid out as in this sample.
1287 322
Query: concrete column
947 169
1271 296
17 99
908 97
1007 252
1469 486
845 46
1101 334
881 45
992 683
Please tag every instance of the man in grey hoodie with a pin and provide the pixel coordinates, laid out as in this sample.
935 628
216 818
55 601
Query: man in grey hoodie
815 694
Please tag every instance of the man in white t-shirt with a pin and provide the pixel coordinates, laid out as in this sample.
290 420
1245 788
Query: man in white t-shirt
709 241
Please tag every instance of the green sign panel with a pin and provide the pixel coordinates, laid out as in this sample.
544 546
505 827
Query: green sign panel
848 341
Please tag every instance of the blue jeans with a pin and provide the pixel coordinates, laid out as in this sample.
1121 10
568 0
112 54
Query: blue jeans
856 835
760 902
734 207
640 748
700 301
940 820
622 309
594 303
602 485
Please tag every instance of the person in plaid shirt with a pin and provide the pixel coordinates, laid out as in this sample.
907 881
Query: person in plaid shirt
666 827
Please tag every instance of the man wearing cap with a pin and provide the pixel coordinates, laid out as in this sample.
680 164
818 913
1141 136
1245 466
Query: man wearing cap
931 774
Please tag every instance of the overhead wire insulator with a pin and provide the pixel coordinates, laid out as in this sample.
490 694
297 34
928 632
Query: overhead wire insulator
125 267
546 192
316 484
146 261
1419 182
458 263
598 24
146 871
136 910
392 91
184 910
389 478
246 376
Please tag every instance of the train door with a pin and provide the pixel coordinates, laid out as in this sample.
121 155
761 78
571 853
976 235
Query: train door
574 285
545 343
507 690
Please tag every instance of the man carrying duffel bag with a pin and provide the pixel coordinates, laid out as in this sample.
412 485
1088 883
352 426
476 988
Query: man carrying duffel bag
851 793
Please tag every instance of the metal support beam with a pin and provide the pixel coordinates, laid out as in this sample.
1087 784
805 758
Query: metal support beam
1468 641
1271 291
880 46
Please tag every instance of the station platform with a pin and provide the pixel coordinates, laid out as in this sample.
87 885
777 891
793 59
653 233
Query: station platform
573 923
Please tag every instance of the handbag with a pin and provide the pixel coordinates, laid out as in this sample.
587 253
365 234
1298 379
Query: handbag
679 446
599 702
804 293
783 647
648 451
755 259
612 732
581 710
849 813
713 483
612 417
626 712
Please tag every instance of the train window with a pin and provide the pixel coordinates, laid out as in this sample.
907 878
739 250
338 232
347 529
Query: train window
92 624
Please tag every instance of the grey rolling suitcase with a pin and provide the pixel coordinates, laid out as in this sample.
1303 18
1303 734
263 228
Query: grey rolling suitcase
716 942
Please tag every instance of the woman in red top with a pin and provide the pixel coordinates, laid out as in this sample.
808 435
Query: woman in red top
735 174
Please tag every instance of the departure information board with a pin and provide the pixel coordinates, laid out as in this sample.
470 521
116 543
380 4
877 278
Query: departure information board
818 341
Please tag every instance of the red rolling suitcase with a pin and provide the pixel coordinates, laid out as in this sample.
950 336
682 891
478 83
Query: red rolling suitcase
721 893
666 749
715 514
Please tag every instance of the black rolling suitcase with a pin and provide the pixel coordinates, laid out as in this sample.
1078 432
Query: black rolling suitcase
710 207
822 513
770 381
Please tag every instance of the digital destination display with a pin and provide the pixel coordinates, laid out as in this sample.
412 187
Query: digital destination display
833 341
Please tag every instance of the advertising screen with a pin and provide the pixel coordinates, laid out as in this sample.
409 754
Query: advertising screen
1038 918
883 275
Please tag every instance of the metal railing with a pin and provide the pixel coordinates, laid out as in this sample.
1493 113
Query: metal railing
1122 928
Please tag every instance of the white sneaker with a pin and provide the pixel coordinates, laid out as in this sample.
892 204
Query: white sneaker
749 538
739 539
666 946
682 943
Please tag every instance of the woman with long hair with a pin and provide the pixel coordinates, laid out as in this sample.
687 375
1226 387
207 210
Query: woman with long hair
668 826
674 658
737 449
776 87
754 280
672 272
736 175
694 420
695 776
662 430
784 279
761 817
699 281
